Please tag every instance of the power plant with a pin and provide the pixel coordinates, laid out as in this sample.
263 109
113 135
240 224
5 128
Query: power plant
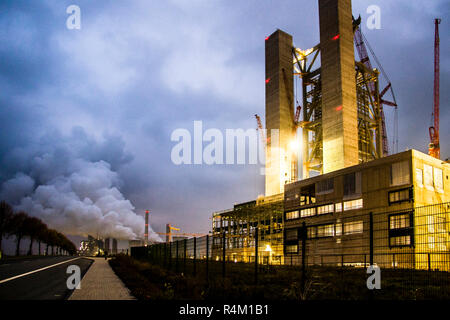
346 170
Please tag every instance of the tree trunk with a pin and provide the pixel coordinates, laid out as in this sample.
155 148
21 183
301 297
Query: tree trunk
1 237
46 250
19 238
39 247
53 250
30 249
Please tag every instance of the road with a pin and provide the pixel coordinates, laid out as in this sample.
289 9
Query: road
47 284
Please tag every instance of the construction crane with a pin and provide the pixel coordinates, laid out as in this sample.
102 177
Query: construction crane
169 234
364 58
434 149
260 129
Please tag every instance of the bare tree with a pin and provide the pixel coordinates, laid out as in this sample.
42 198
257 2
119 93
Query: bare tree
6 214
17 228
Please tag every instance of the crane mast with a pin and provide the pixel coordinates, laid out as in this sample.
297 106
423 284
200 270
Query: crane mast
434 149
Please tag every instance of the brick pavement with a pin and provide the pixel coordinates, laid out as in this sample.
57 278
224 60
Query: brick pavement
101 283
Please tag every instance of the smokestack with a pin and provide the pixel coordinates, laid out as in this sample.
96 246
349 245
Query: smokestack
146 228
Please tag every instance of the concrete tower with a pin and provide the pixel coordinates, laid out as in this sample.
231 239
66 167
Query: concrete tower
281 163
146 228
339 111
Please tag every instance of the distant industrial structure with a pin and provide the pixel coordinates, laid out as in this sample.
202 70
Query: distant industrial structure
346 168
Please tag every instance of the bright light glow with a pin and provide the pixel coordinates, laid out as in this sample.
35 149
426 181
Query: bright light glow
268 248
294 145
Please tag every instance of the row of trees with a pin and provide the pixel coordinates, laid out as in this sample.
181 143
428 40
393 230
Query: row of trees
21 225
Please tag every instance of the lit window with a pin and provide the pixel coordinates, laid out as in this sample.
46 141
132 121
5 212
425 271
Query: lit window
338 229
292 215
312 232
309 212
338 207
400 173
325 230
419 177
428 176
399 196
328 208
438 182
400 241
353 227
400 221
293 248
353 204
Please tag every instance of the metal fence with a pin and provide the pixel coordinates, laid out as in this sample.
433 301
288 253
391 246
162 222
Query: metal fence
411 246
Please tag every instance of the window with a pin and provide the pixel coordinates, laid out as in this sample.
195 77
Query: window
338 228
400 221
353 227
400 230
328 208
352 184
353 204
292 215
428 176
400 196
312 232
325 186
292 248
400 241
419 177
309 212
338 207
325 231
400 173
291 234
438 182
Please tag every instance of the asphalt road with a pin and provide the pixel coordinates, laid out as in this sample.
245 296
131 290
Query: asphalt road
48 284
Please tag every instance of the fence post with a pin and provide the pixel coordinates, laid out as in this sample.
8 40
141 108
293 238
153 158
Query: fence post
371 238
176 258
195 256
256 255
223 255
304 235
165 255
207 258
185 254
170 255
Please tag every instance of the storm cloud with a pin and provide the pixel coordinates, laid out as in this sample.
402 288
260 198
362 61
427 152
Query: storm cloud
86 115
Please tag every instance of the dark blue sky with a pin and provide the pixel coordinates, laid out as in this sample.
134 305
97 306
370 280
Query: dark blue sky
137 70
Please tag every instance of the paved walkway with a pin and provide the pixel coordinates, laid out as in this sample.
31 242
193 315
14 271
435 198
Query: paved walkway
101 283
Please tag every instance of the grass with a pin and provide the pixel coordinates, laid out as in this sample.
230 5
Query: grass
148 281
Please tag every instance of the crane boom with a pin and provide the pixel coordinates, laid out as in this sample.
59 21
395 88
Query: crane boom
434 149
364 58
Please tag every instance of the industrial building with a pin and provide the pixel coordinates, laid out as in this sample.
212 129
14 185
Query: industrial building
346 170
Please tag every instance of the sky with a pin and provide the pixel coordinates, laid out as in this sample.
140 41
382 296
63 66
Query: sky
87 114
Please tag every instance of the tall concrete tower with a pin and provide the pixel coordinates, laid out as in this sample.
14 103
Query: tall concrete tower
281 163
146 228
339 110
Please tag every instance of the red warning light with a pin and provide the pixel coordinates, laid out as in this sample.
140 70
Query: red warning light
267 38
335 37
339 108
267 80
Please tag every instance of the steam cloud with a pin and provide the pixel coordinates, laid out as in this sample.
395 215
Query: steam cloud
71 183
